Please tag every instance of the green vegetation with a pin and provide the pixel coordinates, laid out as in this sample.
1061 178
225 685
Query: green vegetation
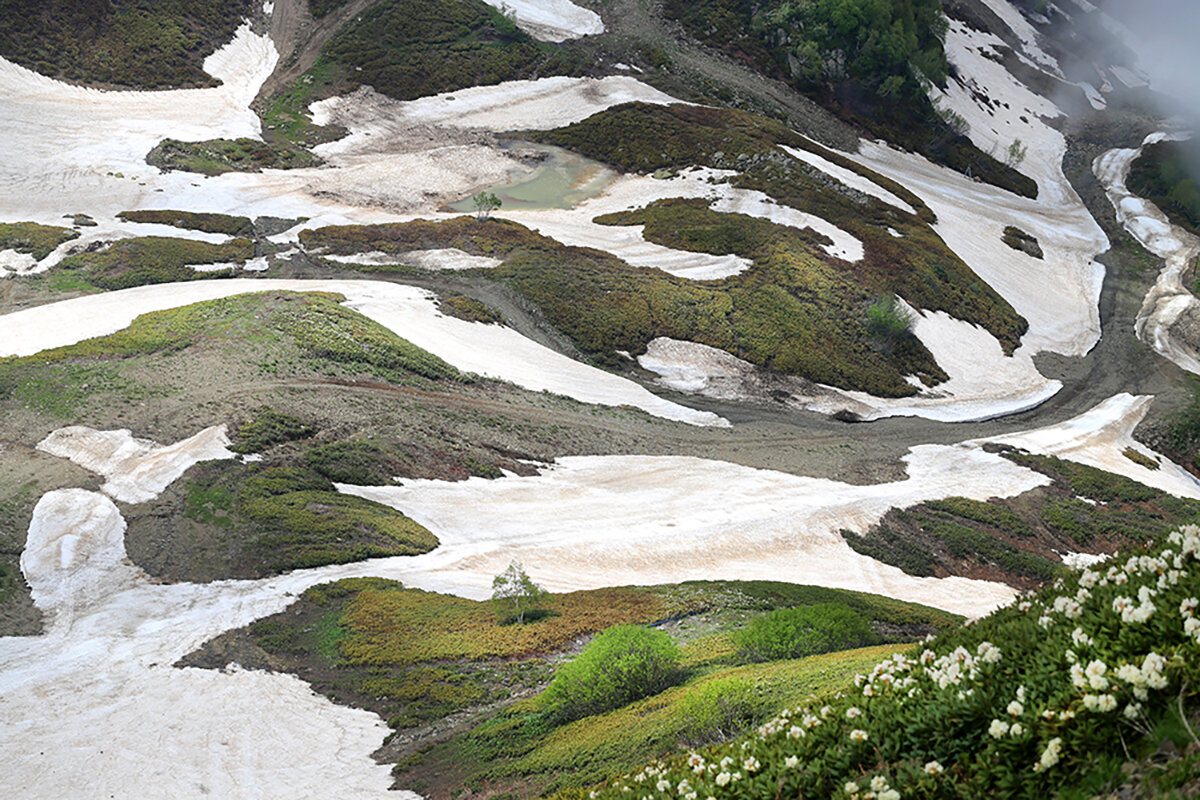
155 259
1018 540
1058 695
888 322
30 237
284 518
408 49
867 60
799 311
153 44
804 631
191 220
466 308
1018 239
331 338
319 8
285 115
218 156
516 597
622 664
1164 174
413 656
358 461
485 203
268 428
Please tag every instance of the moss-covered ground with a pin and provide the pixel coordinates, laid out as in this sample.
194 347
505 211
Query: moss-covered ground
150 259
1019 540
153 44
218 156
32 238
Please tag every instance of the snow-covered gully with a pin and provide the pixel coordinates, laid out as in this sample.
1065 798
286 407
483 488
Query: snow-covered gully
1169 319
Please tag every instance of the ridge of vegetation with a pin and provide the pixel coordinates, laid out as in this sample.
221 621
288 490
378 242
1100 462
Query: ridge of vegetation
152 259
146 44
191 220
1018 540
408 49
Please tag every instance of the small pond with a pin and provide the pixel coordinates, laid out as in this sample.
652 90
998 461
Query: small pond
562 180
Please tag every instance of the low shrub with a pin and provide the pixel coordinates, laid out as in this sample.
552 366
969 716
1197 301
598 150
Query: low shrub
622 664
266 428
804 631
191 220
32 238
722 708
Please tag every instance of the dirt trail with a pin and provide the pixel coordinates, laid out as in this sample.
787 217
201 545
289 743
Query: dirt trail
299 38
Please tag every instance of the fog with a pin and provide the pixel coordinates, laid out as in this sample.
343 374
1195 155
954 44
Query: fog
1164 34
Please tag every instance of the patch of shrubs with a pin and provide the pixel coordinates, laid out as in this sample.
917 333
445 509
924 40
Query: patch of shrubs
723 708
30 237
622 664
191 220
156 259
357 461
266 428
804 631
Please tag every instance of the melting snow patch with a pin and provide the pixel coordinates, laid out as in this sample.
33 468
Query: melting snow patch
849 178
489 350
1099 439
984 383
137 469
550 20
1169 310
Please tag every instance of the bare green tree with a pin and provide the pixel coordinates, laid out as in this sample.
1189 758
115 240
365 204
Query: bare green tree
515 594
485 204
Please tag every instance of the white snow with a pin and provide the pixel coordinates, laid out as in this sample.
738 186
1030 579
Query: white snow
984 383
1168 301
1099 438
575 226
449 258
550 20
489 350
597 521
94 708
137 469
1059 294
514 105
848 177
63 141
1026 33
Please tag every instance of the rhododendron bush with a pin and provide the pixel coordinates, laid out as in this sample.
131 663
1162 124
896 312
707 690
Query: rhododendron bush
1016 704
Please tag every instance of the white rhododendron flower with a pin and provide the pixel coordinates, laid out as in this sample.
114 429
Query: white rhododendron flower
934 768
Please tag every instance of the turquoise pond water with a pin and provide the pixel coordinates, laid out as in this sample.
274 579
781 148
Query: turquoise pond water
563 180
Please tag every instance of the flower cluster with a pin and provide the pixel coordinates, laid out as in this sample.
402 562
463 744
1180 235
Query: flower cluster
1077 667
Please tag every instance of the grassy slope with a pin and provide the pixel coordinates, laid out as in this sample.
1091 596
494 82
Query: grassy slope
262 518
134 43
1063 694
415 657
408 49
